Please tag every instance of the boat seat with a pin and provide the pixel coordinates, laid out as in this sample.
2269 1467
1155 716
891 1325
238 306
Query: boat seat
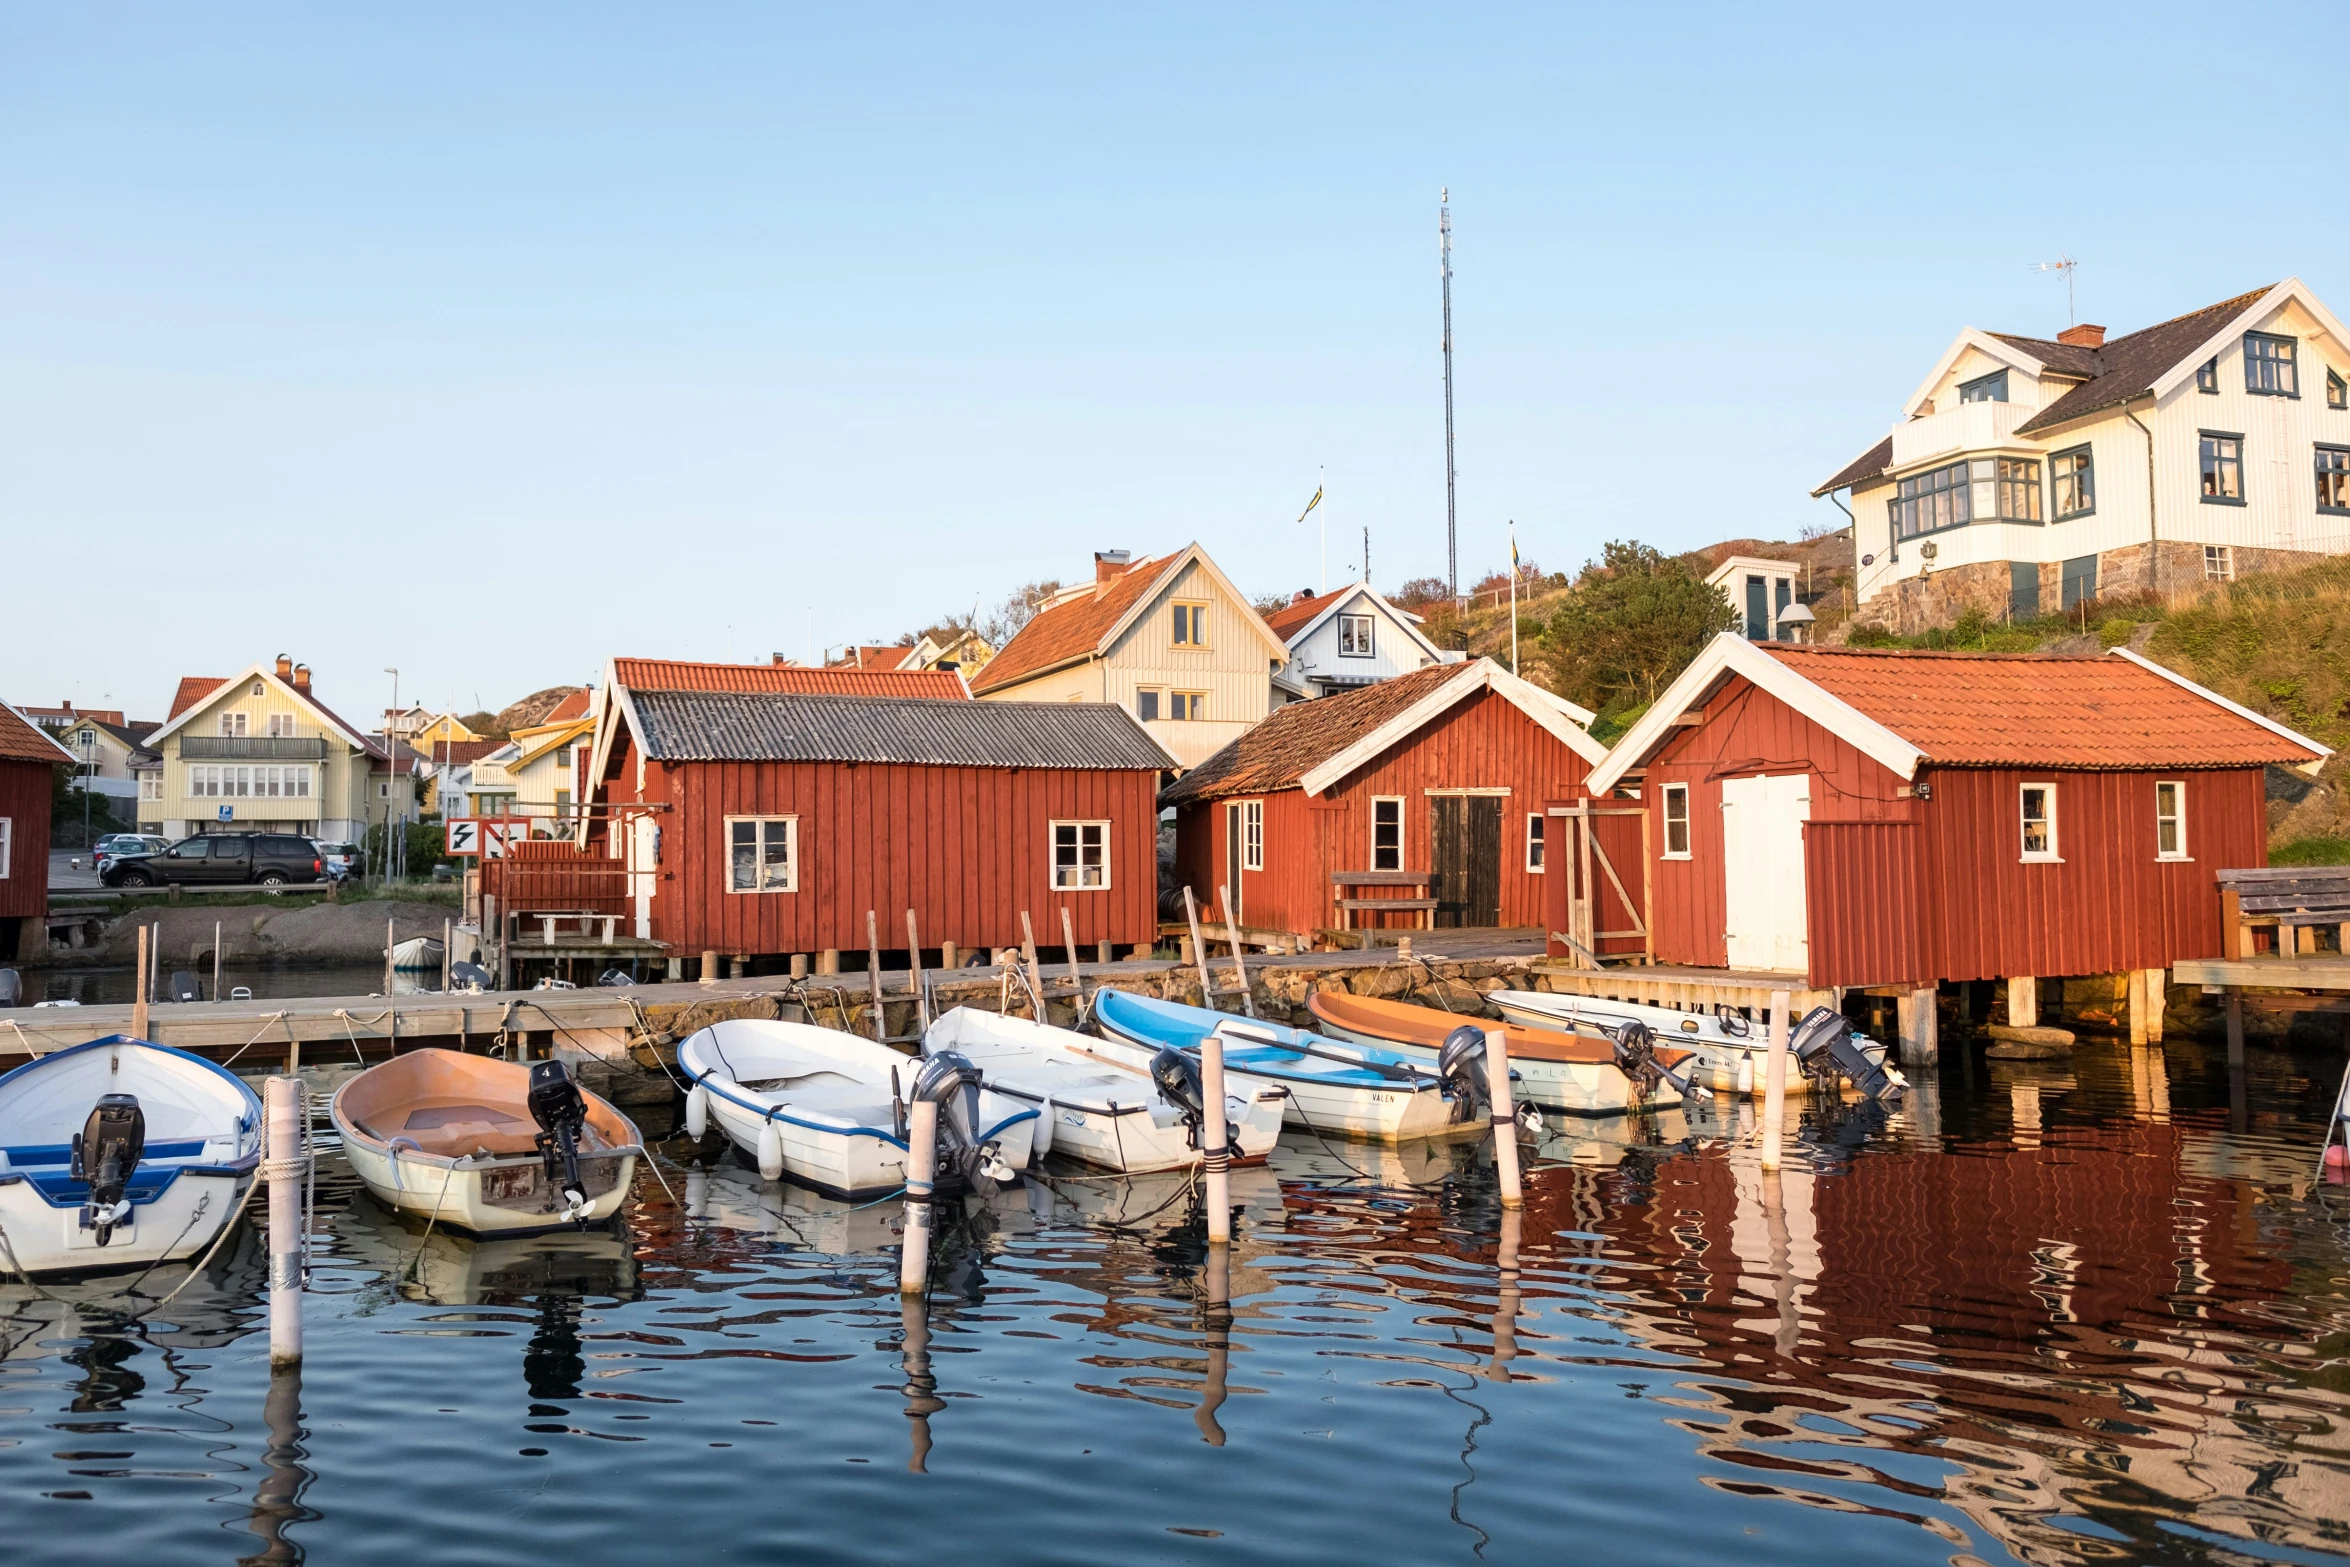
452 1130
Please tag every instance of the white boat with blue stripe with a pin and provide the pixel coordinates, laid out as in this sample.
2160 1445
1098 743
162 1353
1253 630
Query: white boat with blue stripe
1335 1088
120 1154
828 1109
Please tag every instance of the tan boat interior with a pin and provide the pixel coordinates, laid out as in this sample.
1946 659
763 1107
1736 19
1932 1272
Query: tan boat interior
451 1105
1427 1027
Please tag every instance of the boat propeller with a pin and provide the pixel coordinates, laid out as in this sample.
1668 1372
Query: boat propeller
106 1153
1829 1055
1177 1075
556 1104
1635 1044
951 1081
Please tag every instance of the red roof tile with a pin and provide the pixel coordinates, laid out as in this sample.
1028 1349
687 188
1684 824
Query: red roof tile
1296 739
2036 710
193 689
457 752
21 741
573 706
1291 618
664 674
1069 630
871 657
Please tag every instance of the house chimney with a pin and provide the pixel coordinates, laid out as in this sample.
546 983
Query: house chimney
301 674
2083 336
285 667
1110 565
1302 595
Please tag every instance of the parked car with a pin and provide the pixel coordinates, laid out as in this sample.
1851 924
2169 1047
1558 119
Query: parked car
342 859
268 858
115 845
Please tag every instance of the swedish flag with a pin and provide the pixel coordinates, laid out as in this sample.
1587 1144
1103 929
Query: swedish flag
1310 505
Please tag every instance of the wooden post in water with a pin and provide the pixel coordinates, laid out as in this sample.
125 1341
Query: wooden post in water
1214 1140
217 928
914 970
1918 1026
1505 1120
1505 1302
284 1171
1069 946
388 945
709 968
139 995
873 977
921 1178
2023 1001
1774 1120
2235 1009
448 951
1199 950
1248 1002
2157 1002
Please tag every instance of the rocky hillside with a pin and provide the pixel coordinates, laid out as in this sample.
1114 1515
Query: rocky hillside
532 709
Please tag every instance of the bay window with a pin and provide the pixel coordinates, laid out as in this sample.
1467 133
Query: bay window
1980 489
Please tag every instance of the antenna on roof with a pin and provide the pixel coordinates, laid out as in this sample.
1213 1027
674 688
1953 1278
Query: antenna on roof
2066 265
1452 552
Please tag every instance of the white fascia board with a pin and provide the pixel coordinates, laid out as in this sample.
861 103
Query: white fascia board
1166 578
2211 347
234 685
1407 622
2271 725
1737 564
1731 654
1976 338
1568 721
1547 711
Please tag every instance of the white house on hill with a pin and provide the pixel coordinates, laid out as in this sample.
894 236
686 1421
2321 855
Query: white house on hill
1347 637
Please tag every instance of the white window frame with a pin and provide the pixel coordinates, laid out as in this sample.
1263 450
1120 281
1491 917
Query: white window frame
762 826
7 845
234 726
2177 819
1688 851
281 726
1537 840
1401 832
1075 881
151 786
2051 855
1362 632
1252 835
1158 702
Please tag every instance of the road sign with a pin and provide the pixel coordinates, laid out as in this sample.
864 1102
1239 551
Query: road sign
464 835
228 813
497 833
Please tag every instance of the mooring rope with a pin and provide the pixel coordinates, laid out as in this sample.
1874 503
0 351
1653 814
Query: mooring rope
274 1017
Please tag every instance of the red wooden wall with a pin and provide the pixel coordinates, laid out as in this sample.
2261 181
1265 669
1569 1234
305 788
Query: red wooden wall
1482 743
967 848
24 800
1618 838
547 873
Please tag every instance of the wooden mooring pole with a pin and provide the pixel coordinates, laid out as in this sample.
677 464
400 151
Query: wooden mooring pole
1035 970
914 969
1505 1120
284 1169
1775 1083
139 997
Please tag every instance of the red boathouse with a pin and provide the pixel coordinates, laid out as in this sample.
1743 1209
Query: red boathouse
29 761
1880 818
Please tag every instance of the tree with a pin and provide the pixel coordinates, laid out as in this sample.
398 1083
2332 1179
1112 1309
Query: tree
1000 624
1419 593
1631 623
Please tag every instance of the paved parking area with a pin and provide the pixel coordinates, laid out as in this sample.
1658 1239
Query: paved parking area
62 875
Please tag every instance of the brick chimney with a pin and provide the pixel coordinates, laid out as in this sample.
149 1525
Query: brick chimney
2083 336
1110 565
285 667
301 676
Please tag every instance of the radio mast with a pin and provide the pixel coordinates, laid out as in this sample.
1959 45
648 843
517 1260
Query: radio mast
1452 548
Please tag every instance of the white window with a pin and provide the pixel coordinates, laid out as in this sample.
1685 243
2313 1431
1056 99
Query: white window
1676 822
150 786
2170 819
1081 855
2039 821
1252 835
1386 833
762 854
1354 636
232 724
1146 705
1535 823
2218 564
7 844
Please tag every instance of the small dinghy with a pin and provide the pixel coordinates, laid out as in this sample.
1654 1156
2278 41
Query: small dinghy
485 1146
1569 1072
417 955
1731 1051
1102 1111
829 1109
120 1154
1353 1089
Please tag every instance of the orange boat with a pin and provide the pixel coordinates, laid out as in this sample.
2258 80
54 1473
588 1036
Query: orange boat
1556 1071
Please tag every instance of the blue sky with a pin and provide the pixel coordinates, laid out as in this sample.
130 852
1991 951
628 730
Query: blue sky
487 342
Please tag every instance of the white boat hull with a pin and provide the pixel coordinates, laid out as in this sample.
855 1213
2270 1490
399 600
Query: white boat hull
178 1224
1718 1054
1332 1109
451 1196
1570 1087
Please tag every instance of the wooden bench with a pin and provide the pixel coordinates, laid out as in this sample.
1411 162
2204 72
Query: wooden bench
590 921
1423 909
2294 900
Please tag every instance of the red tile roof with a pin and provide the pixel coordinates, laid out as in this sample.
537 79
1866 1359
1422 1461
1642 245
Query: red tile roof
2036 710
871 657
1296 739
193 689
663 674
1291 618
1069 630
22 741
573 706
458 752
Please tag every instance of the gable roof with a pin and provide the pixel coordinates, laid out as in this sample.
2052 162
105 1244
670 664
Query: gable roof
455 753
873 656
716 726
549 737
1315 745
2127 368
573 706
1297 621
193 689
1084 624
1908 710
371 744
21 740
1299 613
667 674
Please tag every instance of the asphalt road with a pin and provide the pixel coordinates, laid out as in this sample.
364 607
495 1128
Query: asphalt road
64 878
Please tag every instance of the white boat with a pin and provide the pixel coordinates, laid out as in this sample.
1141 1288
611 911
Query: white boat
1103 1111
1557 1071
1351 1090
120 1154
1731 1051
829 1109
418 954
477 1144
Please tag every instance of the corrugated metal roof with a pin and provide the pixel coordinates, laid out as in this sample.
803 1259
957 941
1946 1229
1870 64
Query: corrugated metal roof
670 674
715 726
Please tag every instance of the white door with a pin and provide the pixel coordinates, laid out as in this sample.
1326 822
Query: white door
1762 871
644 852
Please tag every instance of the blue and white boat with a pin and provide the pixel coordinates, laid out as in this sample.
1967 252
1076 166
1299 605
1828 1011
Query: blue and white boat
830 1110
120 1154
1335 1087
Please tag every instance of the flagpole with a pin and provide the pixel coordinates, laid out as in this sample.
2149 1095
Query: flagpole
1513 598
1321 482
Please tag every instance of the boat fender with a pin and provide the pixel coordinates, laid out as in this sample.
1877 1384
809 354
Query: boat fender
1460 1062
1745 1073
770 1151
1043 1143
106 1154
697 1112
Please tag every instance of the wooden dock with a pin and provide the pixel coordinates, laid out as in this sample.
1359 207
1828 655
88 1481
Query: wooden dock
1687 989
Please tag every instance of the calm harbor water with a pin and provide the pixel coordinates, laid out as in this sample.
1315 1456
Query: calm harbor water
2067 1312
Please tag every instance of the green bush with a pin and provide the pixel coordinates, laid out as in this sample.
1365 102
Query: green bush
2311 851
426 848
2113 633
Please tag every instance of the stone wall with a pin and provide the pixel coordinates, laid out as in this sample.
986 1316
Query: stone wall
1924 602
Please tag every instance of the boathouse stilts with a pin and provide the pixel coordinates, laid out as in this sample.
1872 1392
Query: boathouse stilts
1920 1026
2023 1001
1774 1120
1505 1120
284 1167
921 1182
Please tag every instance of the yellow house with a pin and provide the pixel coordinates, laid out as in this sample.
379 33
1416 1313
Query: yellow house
1169 639
258 752
535 772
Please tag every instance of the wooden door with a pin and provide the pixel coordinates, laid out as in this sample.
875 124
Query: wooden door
1466 869
1764 918
1234 829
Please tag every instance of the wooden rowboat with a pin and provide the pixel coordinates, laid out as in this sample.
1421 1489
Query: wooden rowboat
1557 1071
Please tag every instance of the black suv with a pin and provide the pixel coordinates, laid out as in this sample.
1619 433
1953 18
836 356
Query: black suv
272 859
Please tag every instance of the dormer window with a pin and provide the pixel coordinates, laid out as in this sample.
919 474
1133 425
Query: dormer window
1990 388
2207 377
2337 391
1355 636
2269 368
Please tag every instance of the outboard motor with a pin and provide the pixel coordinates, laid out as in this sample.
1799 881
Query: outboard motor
1177 1075
184 986
615 977
1635 1045
106 1151
556 1104
468 976
1825 1049
1460 1061
951 1081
